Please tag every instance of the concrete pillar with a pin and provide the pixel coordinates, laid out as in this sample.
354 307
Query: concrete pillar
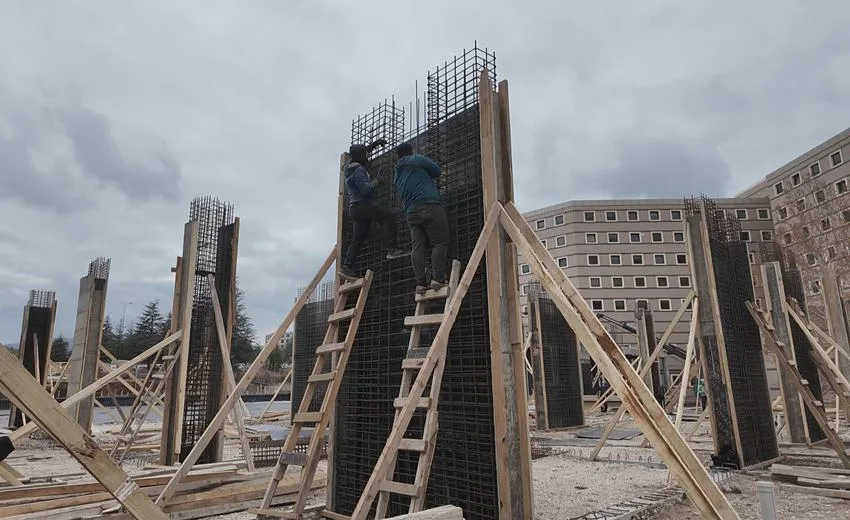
836 316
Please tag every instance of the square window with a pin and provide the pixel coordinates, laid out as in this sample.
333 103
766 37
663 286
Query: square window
752 258
675 214
806 231
611 216
764 214
563 262
778 188
846 215
678 236
541 224
681 258
597 305
783 213
815 285
637 259
801 205
654 214
815 169
590 216
524 309
525 269
561 241
617 282
745 236
825 224
835 158
659 259
632 216
820 196
592 259
590 238
831 252
684 281
640 281
786 239
811 259
741 214
796 179
664 305
544 243
595 282
657 237
613 238
634 238
767 236
615 259
523 289
619 305
841 187
558 220
661 281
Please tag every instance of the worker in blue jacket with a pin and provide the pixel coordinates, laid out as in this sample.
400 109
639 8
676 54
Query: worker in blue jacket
415 182
364 209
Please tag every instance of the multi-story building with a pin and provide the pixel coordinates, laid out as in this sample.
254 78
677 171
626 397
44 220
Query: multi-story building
810 201
619 252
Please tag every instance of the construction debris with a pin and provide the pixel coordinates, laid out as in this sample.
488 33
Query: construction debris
828 482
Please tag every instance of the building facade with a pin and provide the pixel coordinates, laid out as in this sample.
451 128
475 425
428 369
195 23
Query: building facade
619 252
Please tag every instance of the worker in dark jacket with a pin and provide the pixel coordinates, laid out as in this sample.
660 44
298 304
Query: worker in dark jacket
364 210
415 177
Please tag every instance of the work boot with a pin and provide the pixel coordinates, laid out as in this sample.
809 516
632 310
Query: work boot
437 285
348 273
420 289
395 252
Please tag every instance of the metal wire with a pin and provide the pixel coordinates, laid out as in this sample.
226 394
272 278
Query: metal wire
99 267
39 320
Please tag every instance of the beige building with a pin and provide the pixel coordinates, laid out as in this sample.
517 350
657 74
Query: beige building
618 252
810 201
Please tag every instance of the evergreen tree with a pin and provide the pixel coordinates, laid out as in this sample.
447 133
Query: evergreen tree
60 350
147 330
243 349
110 339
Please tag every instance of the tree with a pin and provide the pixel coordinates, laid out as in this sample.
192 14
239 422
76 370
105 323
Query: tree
60 350
147 331
110 339
243 348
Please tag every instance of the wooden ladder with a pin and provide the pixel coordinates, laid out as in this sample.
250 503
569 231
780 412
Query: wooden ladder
335 355
410 369
814 405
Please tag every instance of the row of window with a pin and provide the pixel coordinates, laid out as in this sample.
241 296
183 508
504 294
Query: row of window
825 226
616 259
632 215
841 187
657 237
664 304
639 282
814 170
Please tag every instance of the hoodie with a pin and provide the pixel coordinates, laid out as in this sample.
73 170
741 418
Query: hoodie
358 184
414 181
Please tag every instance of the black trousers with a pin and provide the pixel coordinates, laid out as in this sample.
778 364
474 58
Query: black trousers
364 214
429 228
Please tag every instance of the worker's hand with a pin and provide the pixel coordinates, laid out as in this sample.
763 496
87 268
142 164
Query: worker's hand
377 143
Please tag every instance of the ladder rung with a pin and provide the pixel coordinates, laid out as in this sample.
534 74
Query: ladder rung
167 357
423 319
273 513
330 347
412 444
818 403
351 286
418 352
412 364
319 378
292 459
342 315
433 295
424 402
158 375
399 488
307 417
330 515
804 382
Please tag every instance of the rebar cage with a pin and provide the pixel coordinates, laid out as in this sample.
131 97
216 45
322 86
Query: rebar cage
37 323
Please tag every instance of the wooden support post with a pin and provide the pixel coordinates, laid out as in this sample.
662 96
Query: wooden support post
224 346
541 407
689 357
100 383
9 474
836 317
643 340
510 422
17 384
181 319
774 296
648 414
276 392
250 374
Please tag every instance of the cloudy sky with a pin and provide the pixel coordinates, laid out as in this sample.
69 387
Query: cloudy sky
115 114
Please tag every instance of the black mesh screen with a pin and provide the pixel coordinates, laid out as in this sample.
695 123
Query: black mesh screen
464 469
39 319
564 401
311 324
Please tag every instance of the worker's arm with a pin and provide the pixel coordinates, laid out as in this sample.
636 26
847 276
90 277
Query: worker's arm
365 185
426 164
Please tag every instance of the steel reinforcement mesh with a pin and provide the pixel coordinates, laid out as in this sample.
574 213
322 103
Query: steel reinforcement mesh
564 400
311 325
204 382
745 361
793 283
39 320
463 472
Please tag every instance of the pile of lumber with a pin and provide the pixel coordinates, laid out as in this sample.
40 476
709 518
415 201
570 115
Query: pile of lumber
438 513
207 490
812 480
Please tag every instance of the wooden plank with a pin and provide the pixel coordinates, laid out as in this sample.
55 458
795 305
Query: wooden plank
399 488
7 473
831 493
413 444
190 260
648 414
250 374
422 320
689 356
351 286
431 294
321 378
30 396
438 513
436 355
422 402
330 348
341 315
307 417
